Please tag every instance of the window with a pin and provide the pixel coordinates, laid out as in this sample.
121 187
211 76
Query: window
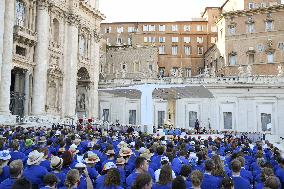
199 28
174 39
266 122
161 118
251 58
132 117
214 29
162 28
118 41
108 30
151 39
174 28
174 50
268 25
82 46
270 57
186 50
162 49
145 28
150 67
20 51
119 29
232 59
105 115
199 39
187 72
55 30
213 39
186 39
162 71
232 29
145 39
152 28
186 28
251 5
20 13
228 120
162 39
192 118
200 50
131 29
250 28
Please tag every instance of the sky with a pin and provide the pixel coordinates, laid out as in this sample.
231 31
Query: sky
154 10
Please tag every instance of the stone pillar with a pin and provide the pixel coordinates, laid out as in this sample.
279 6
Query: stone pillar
95 60
71 66
146 105
2 11
41 59
27 93
7 57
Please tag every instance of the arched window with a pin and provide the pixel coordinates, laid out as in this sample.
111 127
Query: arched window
55 30
82 46
20 13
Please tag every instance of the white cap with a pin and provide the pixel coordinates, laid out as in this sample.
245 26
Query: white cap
165 158
80 165
192 143
109 165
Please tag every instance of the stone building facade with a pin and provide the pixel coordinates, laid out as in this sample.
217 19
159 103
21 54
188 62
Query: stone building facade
250 42
49 58
181 44
130 63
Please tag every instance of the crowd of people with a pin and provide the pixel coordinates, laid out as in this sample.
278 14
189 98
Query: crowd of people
66 158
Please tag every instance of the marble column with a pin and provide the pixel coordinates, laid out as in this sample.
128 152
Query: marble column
71 66
146 106
27 93
41 59
2 11
7 57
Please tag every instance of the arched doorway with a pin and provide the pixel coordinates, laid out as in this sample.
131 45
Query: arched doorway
83 89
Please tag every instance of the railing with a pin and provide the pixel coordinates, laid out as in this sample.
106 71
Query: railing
209 80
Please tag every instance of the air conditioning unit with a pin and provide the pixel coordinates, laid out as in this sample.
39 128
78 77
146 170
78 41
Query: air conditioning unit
251 48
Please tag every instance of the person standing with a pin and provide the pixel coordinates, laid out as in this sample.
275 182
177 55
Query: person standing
197 126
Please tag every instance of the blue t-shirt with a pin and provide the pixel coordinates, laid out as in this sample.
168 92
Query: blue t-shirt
35 174
131 179
159 186
241 183
210 181
7 183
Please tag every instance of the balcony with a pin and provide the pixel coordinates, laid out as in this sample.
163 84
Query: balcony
25 35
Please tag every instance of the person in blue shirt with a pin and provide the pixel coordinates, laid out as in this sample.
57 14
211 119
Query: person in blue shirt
50 181
112 180
101 179
184 173
34 172
280 172
4 160
239 182
141 166
245 173
72 179
16 171
56 166
120 166
177 162
15 154
165 178
143 181
179 183
210 181
196 178
22 183
45 162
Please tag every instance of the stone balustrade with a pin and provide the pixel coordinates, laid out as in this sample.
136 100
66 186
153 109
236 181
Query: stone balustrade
254 80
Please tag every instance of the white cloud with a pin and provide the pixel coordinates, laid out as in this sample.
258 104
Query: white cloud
154 10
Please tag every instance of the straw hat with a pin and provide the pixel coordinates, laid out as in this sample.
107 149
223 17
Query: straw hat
110 152
5 155
125 152
56 162
42 139
34 157
122 144
120 161
92 158
73 149
147 154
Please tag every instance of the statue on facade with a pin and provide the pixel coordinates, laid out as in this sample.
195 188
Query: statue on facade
123 73
82 102
180 72
241 71
249 69
280 71
173 72
213 71
206 72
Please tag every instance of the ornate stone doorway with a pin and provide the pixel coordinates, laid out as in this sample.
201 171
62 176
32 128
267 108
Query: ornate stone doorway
83 89
17 92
